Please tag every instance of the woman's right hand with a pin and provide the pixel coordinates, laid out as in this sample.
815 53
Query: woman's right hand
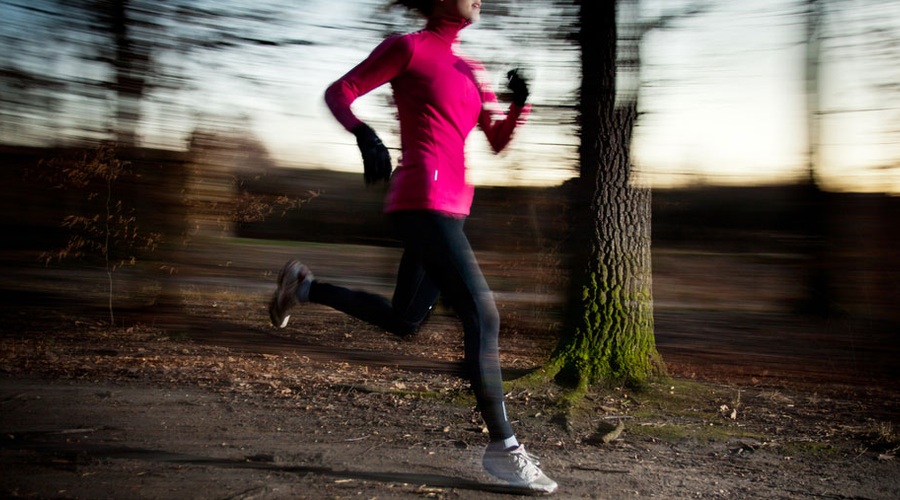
376 158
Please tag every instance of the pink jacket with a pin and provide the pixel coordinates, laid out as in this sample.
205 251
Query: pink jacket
440 98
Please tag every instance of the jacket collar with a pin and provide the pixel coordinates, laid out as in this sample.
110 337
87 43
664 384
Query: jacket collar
447 28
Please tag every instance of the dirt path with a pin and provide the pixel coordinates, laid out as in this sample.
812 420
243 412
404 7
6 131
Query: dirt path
93 413
106 440
761 405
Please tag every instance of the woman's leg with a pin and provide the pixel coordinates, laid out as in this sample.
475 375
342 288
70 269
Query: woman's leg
414 296
449 262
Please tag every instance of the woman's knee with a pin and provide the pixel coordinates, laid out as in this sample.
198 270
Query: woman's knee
489 316
403 327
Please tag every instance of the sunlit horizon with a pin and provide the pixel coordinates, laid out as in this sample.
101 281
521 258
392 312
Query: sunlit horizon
722 97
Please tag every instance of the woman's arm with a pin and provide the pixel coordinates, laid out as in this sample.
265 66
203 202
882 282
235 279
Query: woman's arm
387 61
497 125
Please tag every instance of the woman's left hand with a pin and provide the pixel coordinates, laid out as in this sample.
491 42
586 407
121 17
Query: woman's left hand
516 82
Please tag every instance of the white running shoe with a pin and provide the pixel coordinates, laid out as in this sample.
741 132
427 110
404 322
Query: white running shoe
294 282
518 468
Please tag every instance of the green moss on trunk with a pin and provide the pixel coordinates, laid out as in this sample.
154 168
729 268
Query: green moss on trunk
609 334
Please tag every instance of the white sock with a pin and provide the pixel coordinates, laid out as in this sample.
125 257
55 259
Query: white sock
504 445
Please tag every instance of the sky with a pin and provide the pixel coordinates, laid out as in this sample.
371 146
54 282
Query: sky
725 98
721 95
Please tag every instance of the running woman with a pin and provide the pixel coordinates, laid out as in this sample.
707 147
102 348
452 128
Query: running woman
440 98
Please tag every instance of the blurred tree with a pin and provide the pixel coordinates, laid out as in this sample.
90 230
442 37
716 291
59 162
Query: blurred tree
812 75
132 66
833 34
609 332
104 229
818 298
41 96
92 56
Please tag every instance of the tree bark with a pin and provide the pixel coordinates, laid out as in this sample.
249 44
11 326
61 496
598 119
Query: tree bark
609 332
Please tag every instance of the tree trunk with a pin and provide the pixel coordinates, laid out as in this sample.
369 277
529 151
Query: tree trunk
609 332
819 299
131 63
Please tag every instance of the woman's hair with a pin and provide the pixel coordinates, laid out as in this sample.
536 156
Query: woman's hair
425 7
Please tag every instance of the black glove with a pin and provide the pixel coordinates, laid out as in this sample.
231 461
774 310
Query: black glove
376 159
515 81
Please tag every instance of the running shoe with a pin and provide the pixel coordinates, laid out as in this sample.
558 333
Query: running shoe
518 468
294 282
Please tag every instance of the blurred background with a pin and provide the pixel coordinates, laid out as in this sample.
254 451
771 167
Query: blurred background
152 146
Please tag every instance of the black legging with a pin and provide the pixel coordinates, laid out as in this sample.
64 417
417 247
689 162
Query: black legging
437 260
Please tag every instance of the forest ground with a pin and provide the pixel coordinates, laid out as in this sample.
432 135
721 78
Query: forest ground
214 403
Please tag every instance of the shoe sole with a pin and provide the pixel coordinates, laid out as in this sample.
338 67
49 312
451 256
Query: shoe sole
273 305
